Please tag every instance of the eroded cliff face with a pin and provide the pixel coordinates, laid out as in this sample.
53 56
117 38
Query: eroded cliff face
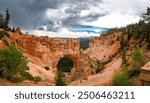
94 66
103 47
103 50
44 51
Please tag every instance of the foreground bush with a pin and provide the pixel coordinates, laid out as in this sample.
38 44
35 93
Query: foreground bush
121 80
17 79
12 62
59 79
37 79
27 75
137 58
137 62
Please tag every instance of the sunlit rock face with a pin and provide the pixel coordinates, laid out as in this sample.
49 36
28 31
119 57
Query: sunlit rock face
44 51
49 50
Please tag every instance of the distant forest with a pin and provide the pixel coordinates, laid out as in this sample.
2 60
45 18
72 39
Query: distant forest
137 30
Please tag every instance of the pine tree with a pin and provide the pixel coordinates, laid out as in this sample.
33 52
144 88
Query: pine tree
12 62
1 19
59 79
13 29
123 49
7 18
146 16
124 60
137 58
122 42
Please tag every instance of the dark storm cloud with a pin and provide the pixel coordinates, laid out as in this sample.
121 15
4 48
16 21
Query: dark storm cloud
29 14
73 14
36 6
26 13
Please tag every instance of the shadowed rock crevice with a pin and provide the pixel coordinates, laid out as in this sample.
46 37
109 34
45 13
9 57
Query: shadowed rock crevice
65 64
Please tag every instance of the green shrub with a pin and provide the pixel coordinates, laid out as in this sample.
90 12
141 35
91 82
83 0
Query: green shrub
23 76
13 65
59 79
121 80
137 58
137 63
100 67
37 79
102 64
124 60
17 79
46 68
3 34
27 75
12 62
133 72
98 70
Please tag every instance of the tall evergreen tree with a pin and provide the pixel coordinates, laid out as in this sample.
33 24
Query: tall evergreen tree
1 21
124 60
146 16
122 42
7 18
123 50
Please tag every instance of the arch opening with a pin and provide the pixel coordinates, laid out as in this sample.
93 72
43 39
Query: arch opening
65 64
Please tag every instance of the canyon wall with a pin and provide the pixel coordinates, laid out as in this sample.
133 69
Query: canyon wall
48 50
44 51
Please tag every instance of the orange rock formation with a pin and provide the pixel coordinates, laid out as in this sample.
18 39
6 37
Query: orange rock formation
44 51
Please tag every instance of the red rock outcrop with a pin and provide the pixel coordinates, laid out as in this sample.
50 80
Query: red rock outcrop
43 51
18 30
101 50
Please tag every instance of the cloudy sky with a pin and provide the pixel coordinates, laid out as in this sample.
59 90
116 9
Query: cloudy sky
55 15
